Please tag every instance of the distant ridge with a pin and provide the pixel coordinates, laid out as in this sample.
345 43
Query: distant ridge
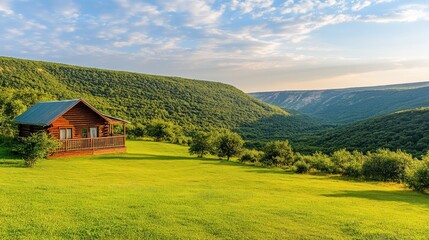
399 86
351 104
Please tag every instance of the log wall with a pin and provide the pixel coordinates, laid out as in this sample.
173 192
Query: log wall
77 118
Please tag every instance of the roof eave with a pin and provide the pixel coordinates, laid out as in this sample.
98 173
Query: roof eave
117 119
34 124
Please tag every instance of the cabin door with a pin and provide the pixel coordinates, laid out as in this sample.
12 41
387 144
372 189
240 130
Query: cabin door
93 132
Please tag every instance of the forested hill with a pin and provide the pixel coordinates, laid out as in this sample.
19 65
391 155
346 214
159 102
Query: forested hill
407 130
353 104
141 97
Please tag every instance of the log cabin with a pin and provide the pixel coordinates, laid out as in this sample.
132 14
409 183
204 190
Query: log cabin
81 129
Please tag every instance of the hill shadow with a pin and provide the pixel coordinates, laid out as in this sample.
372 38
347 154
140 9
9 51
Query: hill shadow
409 197
8 160
249 167
13 163
280 127
137 157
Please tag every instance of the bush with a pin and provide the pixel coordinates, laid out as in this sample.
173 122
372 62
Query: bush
136 131
385 165
165 131
251 156
37 146
418 180
301 167
341 159
323 163
278 153
418 177
348 164
353 169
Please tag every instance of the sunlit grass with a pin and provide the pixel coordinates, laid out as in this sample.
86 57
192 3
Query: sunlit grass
157 190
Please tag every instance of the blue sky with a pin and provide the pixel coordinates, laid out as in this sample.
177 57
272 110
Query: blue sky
255 45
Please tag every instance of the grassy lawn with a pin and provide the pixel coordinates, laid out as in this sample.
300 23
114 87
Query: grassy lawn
157 191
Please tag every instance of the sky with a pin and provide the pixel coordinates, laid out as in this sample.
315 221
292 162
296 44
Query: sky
255 45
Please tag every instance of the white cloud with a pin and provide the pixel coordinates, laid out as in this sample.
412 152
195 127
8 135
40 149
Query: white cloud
301 7
112 33
254 7
407 13
301 29
361 5
69 10
135 38
5 7
197 13
136 8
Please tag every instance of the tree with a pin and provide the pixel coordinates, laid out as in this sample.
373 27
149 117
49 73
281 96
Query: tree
278 153
229 144
38 146
202 144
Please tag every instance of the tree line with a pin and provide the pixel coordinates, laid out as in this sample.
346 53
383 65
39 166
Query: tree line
379 165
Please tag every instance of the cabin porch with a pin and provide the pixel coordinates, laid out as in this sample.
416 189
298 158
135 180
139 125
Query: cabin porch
91 146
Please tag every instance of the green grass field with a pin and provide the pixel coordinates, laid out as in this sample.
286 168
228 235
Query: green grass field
158 191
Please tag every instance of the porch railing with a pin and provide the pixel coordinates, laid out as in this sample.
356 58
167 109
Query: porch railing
91 143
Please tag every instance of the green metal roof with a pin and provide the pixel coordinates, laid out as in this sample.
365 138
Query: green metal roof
44 113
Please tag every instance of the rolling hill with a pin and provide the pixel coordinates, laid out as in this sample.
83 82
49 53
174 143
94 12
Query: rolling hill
141 97
343 106
406 130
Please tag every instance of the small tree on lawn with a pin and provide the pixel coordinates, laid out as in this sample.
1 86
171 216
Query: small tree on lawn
38 146
229 144
202 144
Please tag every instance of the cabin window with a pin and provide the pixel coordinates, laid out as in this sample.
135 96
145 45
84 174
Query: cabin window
84 132
94 132
65 133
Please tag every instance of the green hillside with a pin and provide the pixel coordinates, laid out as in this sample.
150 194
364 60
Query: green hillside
407 130
141 97
352 104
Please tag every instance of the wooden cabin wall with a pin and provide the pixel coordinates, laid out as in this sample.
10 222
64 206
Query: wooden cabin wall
77 118
26 130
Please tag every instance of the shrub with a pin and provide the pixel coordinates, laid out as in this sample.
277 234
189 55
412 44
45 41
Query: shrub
347 163
136 131
341 159
278 153
301 167
165 131
251 156
37 146
228 144
323 163
160 130
385 165
418 180
353 169
418 177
